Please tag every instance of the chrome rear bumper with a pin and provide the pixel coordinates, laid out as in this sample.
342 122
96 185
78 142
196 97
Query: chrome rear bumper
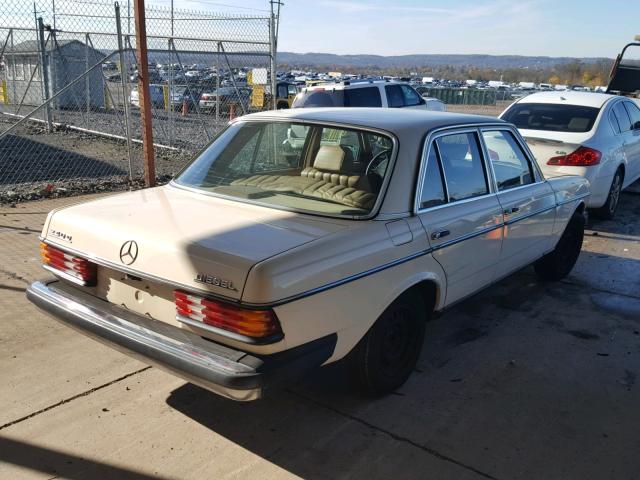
228 372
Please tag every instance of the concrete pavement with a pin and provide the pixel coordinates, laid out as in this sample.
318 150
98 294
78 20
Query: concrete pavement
524 380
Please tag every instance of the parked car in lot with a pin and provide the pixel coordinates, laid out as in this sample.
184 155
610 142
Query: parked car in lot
227 96
362 93
435 104
267 257
187 95
594 135
155 91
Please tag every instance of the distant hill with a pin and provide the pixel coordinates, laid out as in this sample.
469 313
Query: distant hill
498 62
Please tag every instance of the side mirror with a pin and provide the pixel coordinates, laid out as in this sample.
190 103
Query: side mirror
422 101
636 126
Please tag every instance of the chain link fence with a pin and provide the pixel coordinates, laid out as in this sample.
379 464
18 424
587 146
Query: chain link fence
491 102
69 103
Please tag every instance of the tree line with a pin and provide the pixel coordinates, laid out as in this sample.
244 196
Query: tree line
575 72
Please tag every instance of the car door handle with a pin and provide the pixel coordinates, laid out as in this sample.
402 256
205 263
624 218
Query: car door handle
439 234
509 211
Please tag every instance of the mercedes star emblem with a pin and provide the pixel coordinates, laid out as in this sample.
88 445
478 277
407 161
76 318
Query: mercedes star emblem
129 252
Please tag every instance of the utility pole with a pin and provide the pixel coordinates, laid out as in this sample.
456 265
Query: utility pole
145 97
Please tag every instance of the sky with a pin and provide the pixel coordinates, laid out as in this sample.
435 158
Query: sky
573 28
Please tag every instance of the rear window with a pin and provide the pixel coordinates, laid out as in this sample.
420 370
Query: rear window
312 168
356 97
552 117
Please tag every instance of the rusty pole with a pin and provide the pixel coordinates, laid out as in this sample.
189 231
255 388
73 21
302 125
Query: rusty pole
145 98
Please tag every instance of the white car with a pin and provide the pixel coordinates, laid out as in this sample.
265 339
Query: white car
363 93
593 135
265 258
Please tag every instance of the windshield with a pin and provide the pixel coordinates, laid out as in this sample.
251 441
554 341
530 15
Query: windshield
313 168
552 117
328 97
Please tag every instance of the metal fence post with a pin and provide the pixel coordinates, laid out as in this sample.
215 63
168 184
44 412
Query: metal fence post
144 94
218 88
13 68
45 74
272 47
169 98
125 101
87 85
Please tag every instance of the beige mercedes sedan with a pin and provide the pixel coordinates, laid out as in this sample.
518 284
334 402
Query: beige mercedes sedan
298 238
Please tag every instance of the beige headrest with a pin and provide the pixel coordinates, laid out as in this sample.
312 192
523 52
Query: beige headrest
329 158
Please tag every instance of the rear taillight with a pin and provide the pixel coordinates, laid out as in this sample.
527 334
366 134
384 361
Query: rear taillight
73 268
582 157
256 324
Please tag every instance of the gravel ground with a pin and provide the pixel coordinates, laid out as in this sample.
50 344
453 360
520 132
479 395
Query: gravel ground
66 162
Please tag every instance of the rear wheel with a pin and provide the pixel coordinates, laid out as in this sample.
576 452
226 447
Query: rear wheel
557 264
608 210
385 357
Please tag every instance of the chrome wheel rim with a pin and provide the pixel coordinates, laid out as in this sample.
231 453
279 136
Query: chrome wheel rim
615 194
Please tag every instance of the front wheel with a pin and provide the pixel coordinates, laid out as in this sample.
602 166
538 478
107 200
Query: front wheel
385 357
557 264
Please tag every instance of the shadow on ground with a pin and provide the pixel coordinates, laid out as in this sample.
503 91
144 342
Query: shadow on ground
69 466
524 380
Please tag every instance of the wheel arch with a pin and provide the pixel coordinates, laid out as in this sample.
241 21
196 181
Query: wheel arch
429 291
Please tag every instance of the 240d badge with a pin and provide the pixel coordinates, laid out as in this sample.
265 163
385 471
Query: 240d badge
215 281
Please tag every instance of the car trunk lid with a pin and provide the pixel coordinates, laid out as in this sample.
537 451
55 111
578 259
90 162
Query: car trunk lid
546 144
186 238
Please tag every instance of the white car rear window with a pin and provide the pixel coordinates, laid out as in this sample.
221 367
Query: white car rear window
552 117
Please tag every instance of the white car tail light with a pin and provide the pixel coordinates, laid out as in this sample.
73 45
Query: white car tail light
582 157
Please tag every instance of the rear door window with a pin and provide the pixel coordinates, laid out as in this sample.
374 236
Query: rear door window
463 167
433 193
614 122
395 98
411 97
510 165
623 117
634 113
362 97
552 117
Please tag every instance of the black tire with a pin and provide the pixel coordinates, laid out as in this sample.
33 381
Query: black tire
608 210
557 264
385 357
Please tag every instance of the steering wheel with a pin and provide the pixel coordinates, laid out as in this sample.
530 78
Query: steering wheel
375 160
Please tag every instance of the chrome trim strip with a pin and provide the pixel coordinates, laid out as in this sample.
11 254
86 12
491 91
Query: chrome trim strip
467 236
349 279
530 214
232 335
524 147
65 275
579 197
431 136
